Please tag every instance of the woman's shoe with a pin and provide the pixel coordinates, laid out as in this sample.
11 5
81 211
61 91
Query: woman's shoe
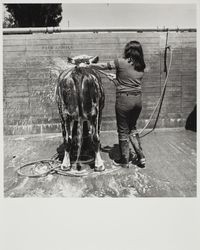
141 163
134 160
124 154
121 163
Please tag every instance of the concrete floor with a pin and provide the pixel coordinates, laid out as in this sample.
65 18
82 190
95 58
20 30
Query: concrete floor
170 170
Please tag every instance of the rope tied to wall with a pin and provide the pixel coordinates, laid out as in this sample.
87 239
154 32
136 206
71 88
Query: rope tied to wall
160 100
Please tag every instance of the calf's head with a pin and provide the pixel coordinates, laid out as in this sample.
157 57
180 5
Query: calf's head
83 59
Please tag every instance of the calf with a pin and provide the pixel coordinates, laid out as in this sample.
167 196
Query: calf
80 98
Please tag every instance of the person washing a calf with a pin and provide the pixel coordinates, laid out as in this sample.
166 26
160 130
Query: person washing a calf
128 105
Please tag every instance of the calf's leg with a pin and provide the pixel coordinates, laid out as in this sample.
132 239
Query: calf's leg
67 139
99 164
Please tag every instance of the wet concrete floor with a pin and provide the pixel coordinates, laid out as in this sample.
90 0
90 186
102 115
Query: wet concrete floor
170 169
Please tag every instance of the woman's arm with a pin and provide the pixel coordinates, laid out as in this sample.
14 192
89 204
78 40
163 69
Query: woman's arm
103 66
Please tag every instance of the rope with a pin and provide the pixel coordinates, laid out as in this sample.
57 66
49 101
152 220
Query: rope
34 164
53 166
160 101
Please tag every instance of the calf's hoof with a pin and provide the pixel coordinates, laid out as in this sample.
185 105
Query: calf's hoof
78 167
64 168
99 169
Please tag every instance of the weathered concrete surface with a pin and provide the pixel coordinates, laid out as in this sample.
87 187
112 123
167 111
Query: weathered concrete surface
170 170
31 61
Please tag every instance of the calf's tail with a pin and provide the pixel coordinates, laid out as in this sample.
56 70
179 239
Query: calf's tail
79 138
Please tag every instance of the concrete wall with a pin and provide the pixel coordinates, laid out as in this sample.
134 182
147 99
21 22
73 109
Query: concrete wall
28 78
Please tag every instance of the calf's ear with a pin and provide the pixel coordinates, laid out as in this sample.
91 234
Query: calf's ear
94 59
69 59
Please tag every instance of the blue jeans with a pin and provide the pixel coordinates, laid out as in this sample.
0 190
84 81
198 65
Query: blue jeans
128 108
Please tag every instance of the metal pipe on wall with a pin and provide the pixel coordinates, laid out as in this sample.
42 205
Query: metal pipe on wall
31 30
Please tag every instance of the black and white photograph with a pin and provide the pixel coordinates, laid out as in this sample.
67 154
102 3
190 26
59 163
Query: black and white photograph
100 102
95 106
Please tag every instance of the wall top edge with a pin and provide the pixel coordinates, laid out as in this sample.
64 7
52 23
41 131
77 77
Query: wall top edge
50 30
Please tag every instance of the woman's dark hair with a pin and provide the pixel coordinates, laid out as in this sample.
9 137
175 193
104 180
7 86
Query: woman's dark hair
134 53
